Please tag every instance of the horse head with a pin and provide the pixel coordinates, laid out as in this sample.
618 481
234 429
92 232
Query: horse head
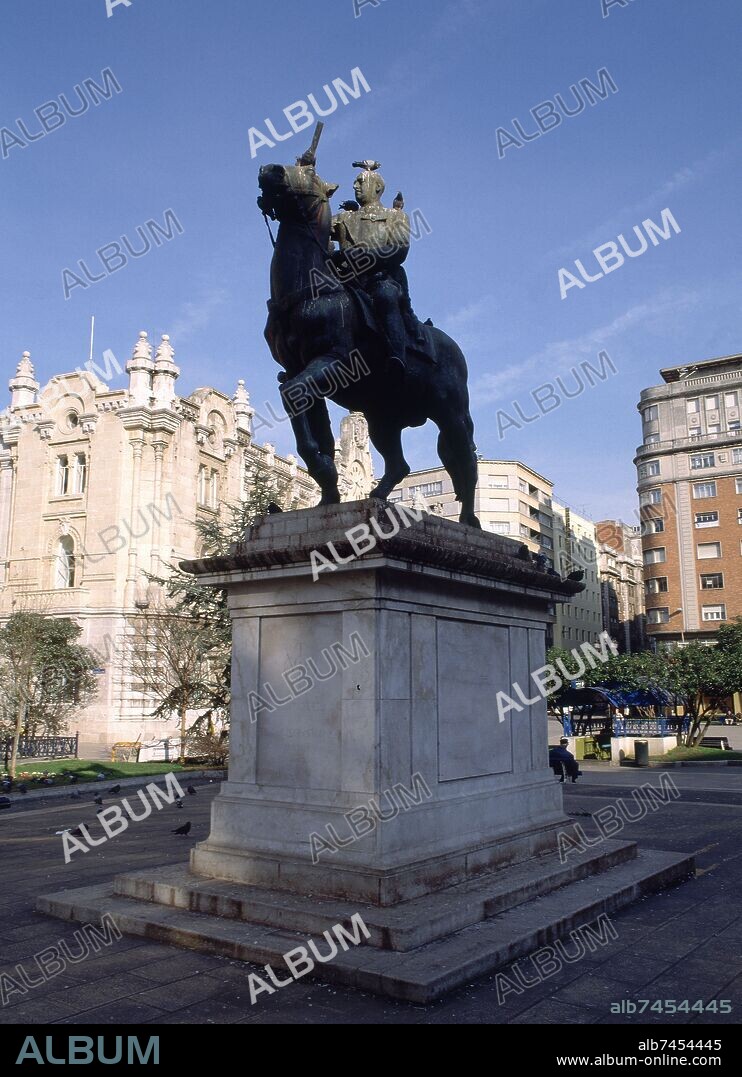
294 193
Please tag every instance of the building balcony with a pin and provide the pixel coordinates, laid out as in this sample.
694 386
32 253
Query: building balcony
659 448
689 387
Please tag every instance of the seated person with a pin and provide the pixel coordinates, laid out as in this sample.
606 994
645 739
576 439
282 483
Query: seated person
561 757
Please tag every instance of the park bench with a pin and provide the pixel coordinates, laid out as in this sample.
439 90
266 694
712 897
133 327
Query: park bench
716 742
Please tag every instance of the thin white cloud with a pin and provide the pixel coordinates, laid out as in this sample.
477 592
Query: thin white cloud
559 356
624 219
197 314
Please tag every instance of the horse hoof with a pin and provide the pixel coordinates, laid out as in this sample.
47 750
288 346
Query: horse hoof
471 521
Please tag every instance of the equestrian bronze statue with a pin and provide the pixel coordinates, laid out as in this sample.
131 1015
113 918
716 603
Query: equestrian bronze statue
342 326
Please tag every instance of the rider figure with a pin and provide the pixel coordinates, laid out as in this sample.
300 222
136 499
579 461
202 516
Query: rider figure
383 235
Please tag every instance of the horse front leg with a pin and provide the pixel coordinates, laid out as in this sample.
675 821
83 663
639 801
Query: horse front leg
305 405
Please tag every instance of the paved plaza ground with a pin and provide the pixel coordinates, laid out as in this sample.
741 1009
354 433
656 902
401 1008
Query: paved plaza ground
682 944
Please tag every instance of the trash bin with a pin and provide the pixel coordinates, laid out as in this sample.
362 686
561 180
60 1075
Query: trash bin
641 753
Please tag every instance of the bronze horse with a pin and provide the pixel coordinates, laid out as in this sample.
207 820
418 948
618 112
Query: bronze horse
329 349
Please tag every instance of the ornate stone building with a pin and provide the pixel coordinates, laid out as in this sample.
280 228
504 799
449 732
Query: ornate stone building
622 584
99 486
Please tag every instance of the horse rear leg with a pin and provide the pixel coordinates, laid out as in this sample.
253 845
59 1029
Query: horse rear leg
388 441
459 457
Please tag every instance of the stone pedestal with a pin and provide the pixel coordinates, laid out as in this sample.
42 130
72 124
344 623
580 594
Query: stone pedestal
369 690
422 631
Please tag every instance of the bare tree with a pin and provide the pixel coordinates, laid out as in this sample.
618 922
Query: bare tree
176 661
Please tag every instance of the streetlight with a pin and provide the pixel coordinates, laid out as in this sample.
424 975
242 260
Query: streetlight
682 630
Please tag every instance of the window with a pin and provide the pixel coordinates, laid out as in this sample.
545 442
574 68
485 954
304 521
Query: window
651 414
523 486
734 424
427 489
739 516
214 490
655 557
654 526
524 531
737 456
501 527
712 403
704 489
499 482
708 550
546 543
647 471
693 407
712 429
656 586
63 475
651 439
712 581
202 485
65 568
702 460
714 613
707 519
658 616
739 485
80 474
651 497
731 400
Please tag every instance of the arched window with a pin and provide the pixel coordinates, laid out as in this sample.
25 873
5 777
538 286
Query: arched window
63 475
80 473
65 574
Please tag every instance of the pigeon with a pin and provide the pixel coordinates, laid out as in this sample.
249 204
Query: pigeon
398 202
77 795
47 781
99 800
179 803
22 789
184 830
367 166
116 789
73 779
76 833
349 206
190 790
100 777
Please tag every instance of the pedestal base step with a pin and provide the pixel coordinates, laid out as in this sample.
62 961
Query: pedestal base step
420 975
401 927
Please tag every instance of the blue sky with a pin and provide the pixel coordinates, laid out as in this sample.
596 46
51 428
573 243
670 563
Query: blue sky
444 76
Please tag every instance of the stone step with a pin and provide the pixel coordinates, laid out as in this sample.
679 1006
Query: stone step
400 927
422 975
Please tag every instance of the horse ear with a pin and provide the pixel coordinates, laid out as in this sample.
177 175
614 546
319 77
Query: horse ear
331 188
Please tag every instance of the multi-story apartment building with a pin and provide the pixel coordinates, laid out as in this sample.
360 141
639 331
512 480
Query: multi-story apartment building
622 583
100 486
576 549
514 500
511 499
689 470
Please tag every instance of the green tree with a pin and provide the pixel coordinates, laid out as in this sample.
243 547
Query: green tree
697 678
45 676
